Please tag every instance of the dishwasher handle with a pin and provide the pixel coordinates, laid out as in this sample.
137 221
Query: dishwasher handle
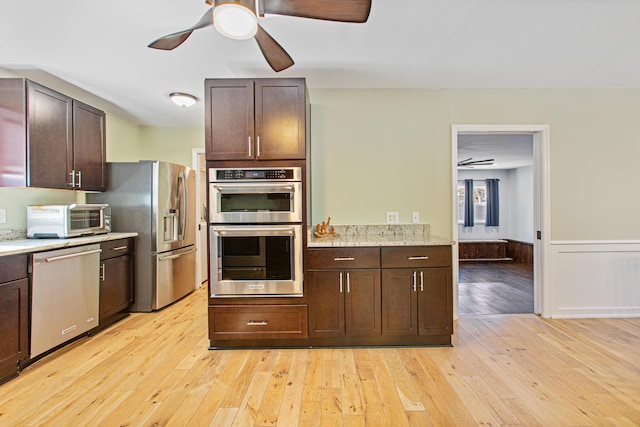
74 255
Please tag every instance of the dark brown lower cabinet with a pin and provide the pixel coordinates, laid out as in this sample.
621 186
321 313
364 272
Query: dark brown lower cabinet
416 302
344 303
14 315
116 279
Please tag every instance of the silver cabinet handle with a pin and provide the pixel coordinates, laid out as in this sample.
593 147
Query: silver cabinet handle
422 281
341 282
119 248
79 179
257 323
249 138
102 272
344 258
75 255
73 178
417 257
258 146
414 280
348 283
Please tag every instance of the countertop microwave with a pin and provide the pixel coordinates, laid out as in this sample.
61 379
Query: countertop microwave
63 221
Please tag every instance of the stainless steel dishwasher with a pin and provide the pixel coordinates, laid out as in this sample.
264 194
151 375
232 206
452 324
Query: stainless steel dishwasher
65 295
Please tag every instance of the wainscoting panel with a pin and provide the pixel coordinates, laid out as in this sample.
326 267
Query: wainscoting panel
595 279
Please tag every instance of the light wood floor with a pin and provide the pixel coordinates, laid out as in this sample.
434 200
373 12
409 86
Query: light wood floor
155 370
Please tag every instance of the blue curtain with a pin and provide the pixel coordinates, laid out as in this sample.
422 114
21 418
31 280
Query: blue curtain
493 203
468 203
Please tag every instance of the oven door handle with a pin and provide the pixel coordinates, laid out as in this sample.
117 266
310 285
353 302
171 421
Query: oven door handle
238 231
262 188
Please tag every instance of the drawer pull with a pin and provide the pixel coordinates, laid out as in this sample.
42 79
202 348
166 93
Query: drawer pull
413 258
119 248
257 323
344 258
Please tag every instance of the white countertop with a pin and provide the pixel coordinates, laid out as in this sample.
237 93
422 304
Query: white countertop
377 240
24 246
378 235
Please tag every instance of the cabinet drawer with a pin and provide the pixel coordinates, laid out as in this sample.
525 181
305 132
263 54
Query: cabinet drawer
416 256
13 268
115 248
344 258
258 322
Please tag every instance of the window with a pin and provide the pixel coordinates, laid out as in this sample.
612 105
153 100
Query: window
479 201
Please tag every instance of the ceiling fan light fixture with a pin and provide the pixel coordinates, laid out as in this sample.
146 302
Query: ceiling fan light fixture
183 99
235 21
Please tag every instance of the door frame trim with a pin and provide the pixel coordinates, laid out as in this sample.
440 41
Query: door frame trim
542 202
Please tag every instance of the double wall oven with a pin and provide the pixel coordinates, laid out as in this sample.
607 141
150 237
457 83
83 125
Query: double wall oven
255 232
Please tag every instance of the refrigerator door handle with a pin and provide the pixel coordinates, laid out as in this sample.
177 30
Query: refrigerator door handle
168 257
184 212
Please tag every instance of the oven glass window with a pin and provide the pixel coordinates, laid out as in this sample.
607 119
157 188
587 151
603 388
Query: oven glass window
255 202
84 218
256 258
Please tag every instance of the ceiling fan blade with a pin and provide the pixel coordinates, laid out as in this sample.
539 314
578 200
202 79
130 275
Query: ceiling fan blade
172 41
275 55
341 11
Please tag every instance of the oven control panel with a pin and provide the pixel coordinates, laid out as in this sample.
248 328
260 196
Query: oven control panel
250 174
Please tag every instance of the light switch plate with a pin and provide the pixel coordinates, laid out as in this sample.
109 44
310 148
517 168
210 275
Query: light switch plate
392 218
3 216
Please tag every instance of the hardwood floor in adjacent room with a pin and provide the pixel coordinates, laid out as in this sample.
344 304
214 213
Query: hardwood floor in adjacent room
495 288
155 370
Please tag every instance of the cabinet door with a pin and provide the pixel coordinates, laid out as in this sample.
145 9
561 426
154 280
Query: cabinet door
326 303
362 302
435 302
229 119
14 325
50 143
399 302
280 119
116 280
88 147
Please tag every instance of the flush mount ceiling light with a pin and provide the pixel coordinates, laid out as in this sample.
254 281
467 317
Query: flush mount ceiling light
235 21
183 99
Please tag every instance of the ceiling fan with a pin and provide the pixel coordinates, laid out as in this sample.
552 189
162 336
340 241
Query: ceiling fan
223 14
470 162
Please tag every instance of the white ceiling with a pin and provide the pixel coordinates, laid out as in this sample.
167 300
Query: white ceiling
101 47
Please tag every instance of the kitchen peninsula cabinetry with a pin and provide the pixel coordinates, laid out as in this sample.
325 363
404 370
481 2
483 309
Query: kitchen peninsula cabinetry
344 292
116 279
49 140
14 315
255 119
416 291
397 295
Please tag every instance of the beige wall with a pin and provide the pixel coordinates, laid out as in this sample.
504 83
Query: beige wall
171 144
389 150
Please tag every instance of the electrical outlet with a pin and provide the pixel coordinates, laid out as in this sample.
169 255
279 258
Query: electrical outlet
415 217
392 218
3 216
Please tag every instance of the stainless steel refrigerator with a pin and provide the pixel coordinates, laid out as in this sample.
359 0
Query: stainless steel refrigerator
157 200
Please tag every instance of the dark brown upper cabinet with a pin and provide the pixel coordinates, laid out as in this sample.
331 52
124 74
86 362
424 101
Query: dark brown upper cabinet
48 139
255 119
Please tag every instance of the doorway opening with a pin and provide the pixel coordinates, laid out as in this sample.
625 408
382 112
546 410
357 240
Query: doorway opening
487 278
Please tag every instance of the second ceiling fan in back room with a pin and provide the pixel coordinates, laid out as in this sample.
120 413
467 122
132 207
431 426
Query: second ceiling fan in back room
471 163
239 20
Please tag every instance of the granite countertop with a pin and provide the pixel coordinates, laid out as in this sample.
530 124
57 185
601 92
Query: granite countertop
24 246
378 235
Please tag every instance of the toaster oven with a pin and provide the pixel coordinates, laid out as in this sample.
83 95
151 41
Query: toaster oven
63 221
